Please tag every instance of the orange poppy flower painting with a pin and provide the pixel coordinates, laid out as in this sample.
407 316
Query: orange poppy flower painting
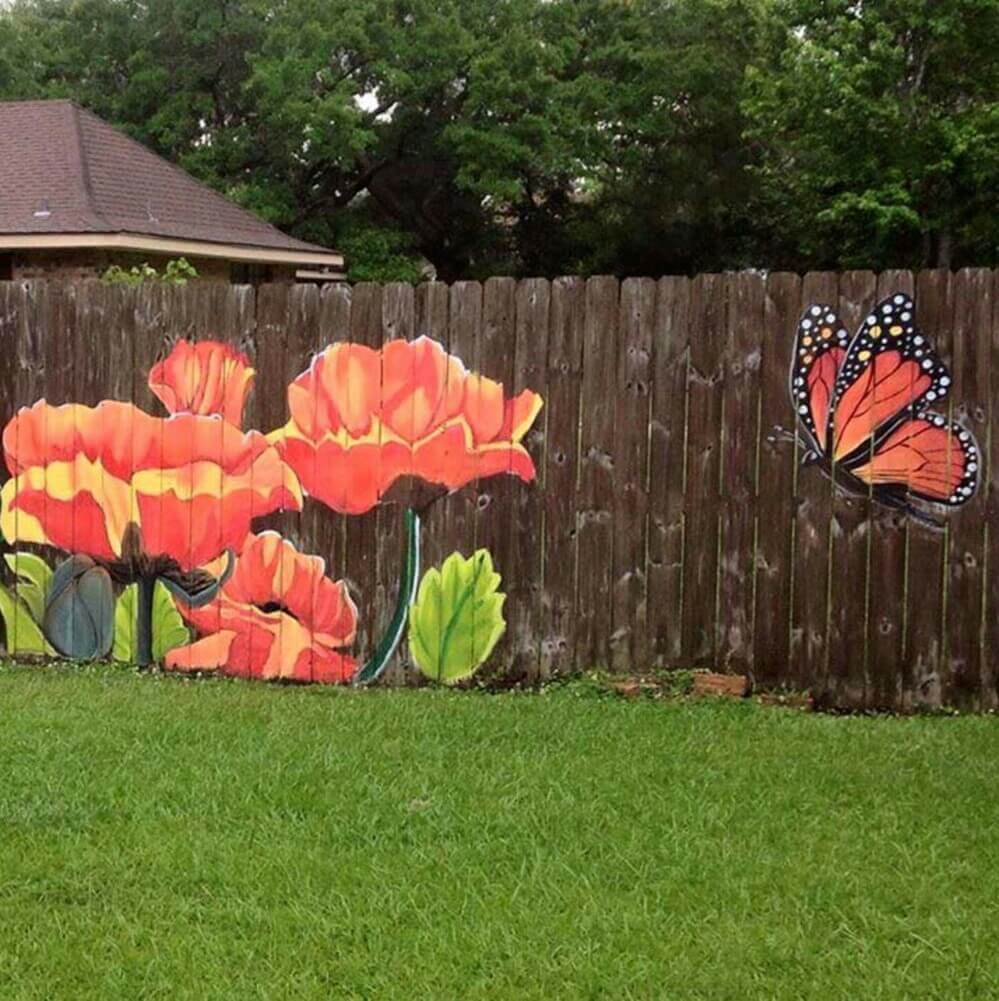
128 500
278 617
361 419
185 487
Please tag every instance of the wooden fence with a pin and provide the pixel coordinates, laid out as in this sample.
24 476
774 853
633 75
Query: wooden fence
664 529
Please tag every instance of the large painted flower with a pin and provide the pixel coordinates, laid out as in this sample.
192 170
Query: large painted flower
203 378
278 616
361 418
124 487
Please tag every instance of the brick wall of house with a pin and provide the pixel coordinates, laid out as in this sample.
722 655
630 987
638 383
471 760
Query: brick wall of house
81 264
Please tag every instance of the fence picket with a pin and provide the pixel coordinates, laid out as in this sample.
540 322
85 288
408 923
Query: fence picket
557 477
629 640
813 522
968 403
667 469
739 443
775 568
708 321
596 488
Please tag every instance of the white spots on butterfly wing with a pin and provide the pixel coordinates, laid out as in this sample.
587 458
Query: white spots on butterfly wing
815 311
806 324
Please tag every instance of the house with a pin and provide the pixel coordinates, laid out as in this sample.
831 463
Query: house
77 196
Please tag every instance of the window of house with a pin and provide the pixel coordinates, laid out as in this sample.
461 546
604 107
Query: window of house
249 274
6 267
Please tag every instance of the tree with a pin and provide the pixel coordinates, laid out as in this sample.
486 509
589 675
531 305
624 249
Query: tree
443 113
672 191
878 126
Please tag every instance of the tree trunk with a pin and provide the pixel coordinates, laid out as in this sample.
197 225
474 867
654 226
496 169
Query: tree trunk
944 249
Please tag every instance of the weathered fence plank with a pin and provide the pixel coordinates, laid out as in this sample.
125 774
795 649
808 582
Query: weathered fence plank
596 489
775 569
708 322
813 520
35 338
464 332
637 314
990 487
494 497
926 598
398 323
361 543
739 472
667 470
849 540
330 540
526 568
559 473
888 552
966 534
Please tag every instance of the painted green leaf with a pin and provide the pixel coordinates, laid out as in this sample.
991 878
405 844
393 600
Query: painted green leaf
169 630
24 635
34 577
457 617
79 609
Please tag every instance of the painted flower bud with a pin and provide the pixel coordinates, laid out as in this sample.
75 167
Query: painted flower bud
79 609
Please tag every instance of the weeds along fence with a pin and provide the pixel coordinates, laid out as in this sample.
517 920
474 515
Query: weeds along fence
664 529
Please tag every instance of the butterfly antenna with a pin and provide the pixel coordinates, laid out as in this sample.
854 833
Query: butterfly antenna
780 433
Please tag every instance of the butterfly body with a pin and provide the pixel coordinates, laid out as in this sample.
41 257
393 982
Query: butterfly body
864 414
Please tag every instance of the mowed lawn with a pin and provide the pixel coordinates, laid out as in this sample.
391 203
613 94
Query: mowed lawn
179 839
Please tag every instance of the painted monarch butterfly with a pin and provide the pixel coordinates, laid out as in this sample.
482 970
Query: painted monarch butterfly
862 407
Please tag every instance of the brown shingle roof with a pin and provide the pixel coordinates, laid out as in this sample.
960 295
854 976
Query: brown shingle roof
58 158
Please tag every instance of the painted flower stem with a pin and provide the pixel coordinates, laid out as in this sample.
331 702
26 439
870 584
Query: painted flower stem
146 588
408 580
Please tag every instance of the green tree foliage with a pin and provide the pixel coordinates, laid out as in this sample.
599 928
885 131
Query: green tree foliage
545 136
878 125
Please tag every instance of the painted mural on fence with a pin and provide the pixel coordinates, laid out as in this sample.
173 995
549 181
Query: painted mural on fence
864 416
149 519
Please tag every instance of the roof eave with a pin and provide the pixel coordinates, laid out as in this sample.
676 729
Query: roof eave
170 247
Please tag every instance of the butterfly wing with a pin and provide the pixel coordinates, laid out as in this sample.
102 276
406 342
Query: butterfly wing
890 371
927 457
819 349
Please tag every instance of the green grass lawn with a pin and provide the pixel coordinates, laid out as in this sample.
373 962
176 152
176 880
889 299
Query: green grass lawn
176 839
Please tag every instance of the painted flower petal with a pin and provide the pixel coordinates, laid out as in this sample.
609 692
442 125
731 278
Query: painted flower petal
204 378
